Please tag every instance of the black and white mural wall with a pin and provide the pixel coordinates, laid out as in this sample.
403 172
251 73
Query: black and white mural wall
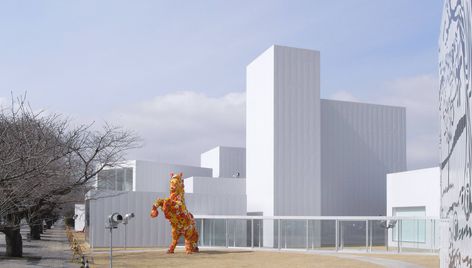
455 96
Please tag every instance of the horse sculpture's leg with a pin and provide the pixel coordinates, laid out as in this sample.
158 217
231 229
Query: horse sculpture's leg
191 239
175 239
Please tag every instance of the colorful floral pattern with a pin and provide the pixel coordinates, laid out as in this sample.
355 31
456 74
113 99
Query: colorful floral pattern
176 212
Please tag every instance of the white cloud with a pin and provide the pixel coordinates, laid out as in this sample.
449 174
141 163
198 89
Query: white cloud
343 96
177 127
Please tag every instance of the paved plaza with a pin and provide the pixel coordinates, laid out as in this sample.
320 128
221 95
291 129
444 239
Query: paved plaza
51 251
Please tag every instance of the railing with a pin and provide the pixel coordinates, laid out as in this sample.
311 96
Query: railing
365 234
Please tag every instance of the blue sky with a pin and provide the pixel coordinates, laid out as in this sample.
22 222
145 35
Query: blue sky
122 60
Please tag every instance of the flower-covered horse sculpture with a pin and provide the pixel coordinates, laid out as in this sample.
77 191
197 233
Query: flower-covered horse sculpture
176 212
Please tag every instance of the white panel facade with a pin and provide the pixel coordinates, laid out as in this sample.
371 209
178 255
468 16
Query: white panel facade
211 159
143 231
403 190
403 194
225 161
204 185
455 80
296 132
260 133
232 162
79 217
282 132
154 177
360 144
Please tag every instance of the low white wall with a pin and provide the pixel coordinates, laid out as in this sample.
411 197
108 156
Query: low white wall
416 189
143 231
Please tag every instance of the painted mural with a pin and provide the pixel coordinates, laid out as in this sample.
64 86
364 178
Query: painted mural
455 95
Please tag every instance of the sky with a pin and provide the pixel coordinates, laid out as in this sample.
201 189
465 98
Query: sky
174 71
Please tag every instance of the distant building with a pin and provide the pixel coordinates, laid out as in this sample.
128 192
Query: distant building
79 217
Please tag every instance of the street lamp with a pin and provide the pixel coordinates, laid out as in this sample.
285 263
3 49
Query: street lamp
113 221
127 218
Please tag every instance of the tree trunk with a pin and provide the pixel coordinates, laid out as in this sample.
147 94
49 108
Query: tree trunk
35 231
49 224
14 242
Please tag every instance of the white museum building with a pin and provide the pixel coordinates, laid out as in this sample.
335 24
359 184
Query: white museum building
304 156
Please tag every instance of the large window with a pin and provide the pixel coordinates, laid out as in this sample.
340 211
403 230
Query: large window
117 179
411 230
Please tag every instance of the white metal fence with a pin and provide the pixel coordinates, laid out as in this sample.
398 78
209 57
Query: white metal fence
366 234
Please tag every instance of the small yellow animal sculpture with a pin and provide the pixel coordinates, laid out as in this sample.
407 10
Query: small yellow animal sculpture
176 212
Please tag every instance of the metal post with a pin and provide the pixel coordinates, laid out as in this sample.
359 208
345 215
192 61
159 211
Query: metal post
252 233
278 235
111 247
226 231
306 234
386 237
367 235
341 234
399 230
125 235
337 235
259 233
432 236
313 236
371 229
201 232
285 236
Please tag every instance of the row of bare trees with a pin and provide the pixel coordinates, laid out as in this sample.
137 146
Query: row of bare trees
44 162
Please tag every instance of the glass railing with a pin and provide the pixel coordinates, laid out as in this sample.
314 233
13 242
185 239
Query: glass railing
364 234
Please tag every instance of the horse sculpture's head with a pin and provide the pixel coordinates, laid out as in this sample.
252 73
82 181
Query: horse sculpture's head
176 184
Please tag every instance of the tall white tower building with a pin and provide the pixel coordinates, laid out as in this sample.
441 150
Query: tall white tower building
283 132
312 157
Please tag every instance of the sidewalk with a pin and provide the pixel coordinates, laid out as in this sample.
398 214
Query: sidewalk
51 251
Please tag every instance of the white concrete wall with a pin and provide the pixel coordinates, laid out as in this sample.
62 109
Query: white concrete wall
79 222
360 144
416 189
225 161
154 177
204 185
143 231
260 133
211 159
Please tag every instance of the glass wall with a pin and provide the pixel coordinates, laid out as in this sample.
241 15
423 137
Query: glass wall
116 179
369 234
411 230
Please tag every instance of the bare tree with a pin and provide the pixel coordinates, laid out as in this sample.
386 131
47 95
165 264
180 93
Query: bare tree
43 160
